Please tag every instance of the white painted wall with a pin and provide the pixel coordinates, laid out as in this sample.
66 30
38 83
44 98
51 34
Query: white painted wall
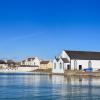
35 62
19 69
64 55
96 64
57 69
26 69
4 65
65 66
84 63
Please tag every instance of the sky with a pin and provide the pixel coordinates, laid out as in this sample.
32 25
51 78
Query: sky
44 28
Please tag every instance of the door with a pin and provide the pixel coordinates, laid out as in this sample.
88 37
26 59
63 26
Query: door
80 67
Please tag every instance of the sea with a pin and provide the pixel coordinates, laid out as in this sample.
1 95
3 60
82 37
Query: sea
29 86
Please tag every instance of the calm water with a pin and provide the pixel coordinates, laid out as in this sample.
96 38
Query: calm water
45 87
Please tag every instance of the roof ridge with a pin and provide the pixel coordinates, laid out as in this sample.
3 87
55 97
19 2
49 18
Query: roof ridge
81 51
83 55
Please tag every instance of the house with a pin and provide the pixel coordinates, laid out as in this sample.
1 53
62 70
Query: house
30 64
45 65
7 64
76 60
11 63
3 64
33 61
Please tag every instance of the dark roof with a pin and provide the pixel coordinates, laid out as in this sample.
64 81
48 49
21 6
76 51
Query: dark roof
2 62
65 60
57 59
83 55
29 59
23 61
28 66
10 62
44 62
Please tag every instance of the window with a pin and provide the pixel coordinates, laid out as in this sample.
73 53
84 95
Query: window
34 63
80 67
68 67
60 66
54 65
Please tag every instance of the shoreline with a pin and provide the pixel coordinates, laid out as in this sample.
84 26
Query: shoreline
81 74
49 72
72 73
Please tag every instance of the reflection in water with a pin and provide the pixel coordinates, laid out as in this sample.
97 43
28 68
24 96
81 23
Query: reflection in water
78 87
45 87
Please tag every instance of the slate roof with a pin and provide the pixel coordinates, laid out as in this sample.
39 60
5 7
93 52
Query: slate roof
65 60
28 66
23 61
10 62
83 55
29 59
57 59
2 62
44 62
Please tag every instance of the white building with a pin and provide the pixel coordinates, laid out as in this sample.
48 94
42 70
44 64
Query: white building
76 60
34 61
59 65
30 64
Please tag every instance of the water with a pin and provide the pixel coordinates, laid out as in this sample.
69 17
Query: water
45 87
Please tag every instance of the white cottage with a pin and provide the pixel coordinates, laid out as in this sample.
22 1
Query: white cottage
76 60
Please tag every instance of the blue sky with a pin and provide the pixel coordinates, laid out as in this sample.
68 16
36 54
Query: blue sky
45 27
